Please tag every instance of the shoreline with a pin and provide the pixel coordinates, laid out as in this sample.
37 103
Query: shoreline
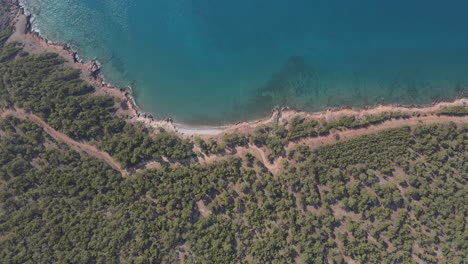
34 43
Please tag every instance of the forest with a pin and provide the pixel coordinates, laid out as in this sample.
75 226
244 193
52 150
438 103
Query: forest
394 197
42 85
397 196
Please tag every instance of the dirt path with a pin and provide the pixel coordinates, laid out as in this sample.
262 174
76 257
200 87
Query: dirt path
316 142
262 156
73 144
259 153
351 133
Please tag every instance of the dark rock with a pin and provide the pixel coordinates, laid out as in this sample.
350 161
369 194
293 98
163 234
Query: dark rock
28 26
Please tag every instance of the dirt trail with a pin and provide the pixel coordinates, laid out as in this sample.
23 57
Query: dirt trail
259 153
351 133
75 145
316 142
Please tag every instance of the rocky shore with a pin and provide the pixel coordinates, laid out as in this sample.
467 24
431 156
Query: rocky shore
33 42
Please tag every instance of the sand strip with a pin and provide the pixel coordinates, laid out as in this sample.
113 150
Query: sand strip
33 43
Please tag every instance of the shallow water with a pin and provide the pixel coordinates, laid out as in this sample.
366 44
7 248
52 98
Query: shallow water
218 62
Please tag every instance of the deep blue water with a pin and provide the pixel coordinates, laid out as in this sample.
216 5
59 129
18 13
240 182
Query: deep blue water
211 61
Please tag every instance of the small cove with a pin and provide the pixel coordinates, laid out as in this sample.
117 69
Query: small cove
213 63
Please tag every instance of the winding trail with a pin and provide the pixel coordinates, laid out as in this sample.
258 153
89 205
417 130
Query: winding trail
352 133
315 142
259 153
263 158
59 136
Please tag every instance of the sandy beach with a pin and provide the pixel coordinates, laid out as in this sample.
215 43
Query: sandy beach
33 43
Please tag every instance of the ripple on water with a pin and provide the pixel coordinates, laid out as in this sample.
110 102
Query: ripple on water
217 62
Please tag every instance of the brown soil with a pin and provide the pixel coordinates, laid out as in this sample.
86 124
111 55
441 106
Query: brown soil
34 44
257 152
284 115
351 133
73 144
316 142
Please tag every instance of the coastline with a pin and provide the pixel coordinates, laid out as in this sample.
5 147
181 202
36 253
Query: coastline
33 42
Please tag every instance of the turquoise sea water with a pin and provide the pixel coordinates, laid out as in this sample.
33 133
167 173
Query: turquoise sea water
217 62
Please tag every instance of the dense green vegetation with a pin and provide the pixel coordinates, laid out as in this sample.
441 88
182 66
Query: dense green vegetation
42 85
276 137
228 142
7 51
461 110
398 196
299 127
393 197
353 122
